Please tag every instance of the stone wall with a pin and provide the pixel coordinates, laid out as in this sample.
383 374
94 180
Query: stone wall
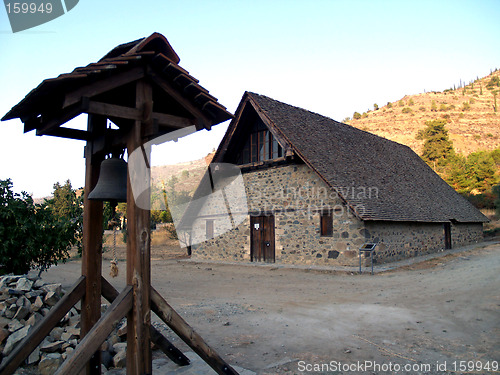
399 240
407 239
296 196
466 233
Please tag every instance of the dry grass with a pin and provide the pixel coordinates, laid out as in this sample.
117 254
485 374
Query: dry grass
474 129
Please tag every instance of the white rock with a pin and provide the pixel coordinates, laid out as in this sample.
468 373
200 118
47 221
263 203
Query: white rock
24 284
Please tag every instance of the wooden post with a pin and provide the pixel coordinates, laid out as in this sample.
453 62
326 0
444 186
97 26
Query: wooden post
92 244
139 357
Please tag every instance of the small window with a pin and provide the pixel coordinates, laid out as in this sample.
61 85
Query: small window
260 146
210 229
326 224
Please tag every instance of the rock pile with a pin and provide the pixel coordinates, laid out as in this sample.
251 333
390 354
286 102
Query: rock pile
24 301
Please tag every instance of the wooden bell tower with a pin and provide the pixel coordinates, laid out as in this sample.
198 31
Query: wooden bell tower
140 87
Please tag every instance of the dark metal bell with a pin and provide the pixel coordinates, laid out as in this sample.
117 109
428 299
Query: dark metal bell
112 183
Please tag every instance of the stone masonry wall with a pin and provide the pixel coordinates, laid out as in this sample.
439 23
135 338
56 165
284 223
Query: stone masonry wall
404 240
398 240
296 196
466 233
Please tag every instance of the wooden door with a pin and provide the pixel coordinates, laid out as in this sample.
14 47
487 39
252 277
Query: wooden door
262 239
447 235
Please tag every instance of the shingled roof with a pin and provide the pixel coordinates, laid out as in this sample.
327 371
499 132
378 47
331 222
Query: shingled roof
57 100
348 159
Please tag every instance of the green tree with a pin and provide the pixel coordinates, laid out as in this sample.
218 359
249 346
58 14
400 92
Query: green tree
375 107
475 172
496 191
356 116
67 207
31 235
437 146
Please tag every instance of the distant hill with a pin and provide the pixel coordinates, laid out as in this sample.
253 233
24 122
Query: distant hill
188 174
473 122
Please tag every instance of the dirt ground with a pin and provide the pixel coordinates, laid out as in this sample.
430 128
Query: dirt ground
276 320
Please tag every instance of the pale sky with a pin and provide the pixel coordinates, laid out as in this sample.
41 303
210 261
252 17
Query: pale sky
331 57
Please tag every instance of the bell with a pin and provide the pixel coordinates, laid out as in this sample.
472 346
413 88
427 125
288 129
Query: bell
112 183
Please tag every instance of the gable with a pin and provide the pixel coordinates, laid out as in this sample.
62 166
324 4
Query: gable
253 139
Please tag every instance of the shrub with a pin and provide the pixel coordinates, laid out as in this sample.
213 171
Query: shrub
411 102
389 105
433 106
465 106
421 108
401 103
356 116
406 110
31 235
443 107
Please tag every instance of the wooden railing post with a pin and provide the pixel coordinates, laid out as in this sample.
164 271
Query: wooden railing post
92 244
139 356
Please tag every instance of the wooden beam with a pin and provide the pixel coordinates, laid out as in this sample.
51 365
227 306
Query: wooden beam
139 356
70 133
43 328
92 242
168 348
103 85
96 336
188 335
110 293
51 121
112 110
202 120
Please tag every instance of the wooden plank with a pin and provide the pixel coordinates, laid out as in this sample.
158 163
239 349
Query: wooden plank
202 120
92 242
188 335
139 356
42 329
168 348
112 110
96 336
103 85
110 293
61 132
51 121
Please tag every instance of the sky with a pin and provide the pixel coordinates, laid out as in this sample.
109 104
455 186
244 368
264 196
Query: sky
331 57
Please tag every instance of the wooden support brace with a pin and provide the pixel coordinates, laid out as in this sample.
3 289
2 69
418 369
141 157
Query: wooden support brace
188 335
110 293
43 328
99 332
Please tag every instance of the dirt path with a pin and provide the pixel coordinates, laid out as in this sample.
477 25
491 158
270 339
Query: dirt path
279 320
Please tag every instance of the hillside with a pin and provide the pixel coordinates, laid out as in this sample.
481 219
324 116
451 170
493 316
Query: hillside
188 174
473 122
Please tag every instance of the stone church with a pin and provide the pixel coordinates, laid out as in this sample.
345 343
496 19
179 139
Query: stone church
316 190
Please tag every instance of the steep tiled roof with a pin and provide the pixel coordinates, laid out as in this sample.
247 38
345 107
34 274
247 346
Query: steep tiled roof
153 55
403 187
